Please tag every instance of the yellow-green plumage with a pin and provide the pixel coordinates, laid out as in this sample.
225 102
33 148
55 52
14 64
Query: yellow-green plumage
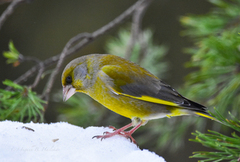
126 88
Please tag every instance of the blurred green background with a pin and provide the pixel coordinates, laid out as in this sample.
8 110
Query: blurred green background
42 28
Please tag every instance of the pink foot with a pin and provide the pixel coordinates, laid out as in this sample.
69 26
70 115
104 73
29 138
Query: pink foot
126 134
121 132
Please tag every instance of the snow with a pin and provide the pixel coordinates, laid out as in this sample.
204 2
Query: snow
65 142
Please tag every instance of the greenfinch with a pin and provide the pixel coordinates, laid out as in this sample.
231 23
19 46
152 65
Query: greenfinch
127 89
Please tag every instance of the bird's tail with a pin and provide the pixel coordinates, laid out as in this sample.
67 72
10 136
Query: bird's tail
198 109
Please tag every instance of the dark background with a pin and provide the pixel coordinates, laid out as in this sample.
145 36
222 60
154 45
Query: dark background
42 28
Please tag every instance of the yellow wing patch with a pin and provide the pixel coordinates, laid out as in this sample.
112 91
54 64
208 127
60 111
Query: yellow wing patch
153 100
148 99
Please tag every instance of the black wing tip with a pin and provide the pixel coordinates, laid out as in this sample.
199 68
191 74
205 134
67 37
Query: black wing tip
199 110
191 105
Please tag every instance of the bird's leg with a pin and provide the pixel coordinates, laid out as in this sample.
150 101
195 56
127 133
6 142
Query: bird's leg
122 132
128 134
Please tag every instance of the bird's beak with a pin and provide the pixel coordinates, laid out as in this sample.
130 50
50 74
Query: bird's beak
68 91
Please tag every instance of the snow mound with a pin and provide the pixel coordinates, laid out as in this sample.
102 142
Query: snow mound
65 142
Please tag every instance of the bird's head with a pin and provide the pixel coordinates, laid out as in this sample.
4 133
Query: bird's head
75 77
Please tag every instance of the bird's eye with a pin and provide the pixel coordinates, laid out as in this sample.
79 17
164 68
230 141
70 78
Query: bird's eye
69 79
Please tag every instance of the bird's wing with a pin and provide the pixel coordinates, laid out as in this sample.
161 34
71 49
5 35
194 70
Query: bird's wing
141 85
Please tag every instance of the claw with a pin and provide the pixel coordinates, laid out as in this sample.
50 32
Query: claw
100 137
112 127
106 132
128 137
95 137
